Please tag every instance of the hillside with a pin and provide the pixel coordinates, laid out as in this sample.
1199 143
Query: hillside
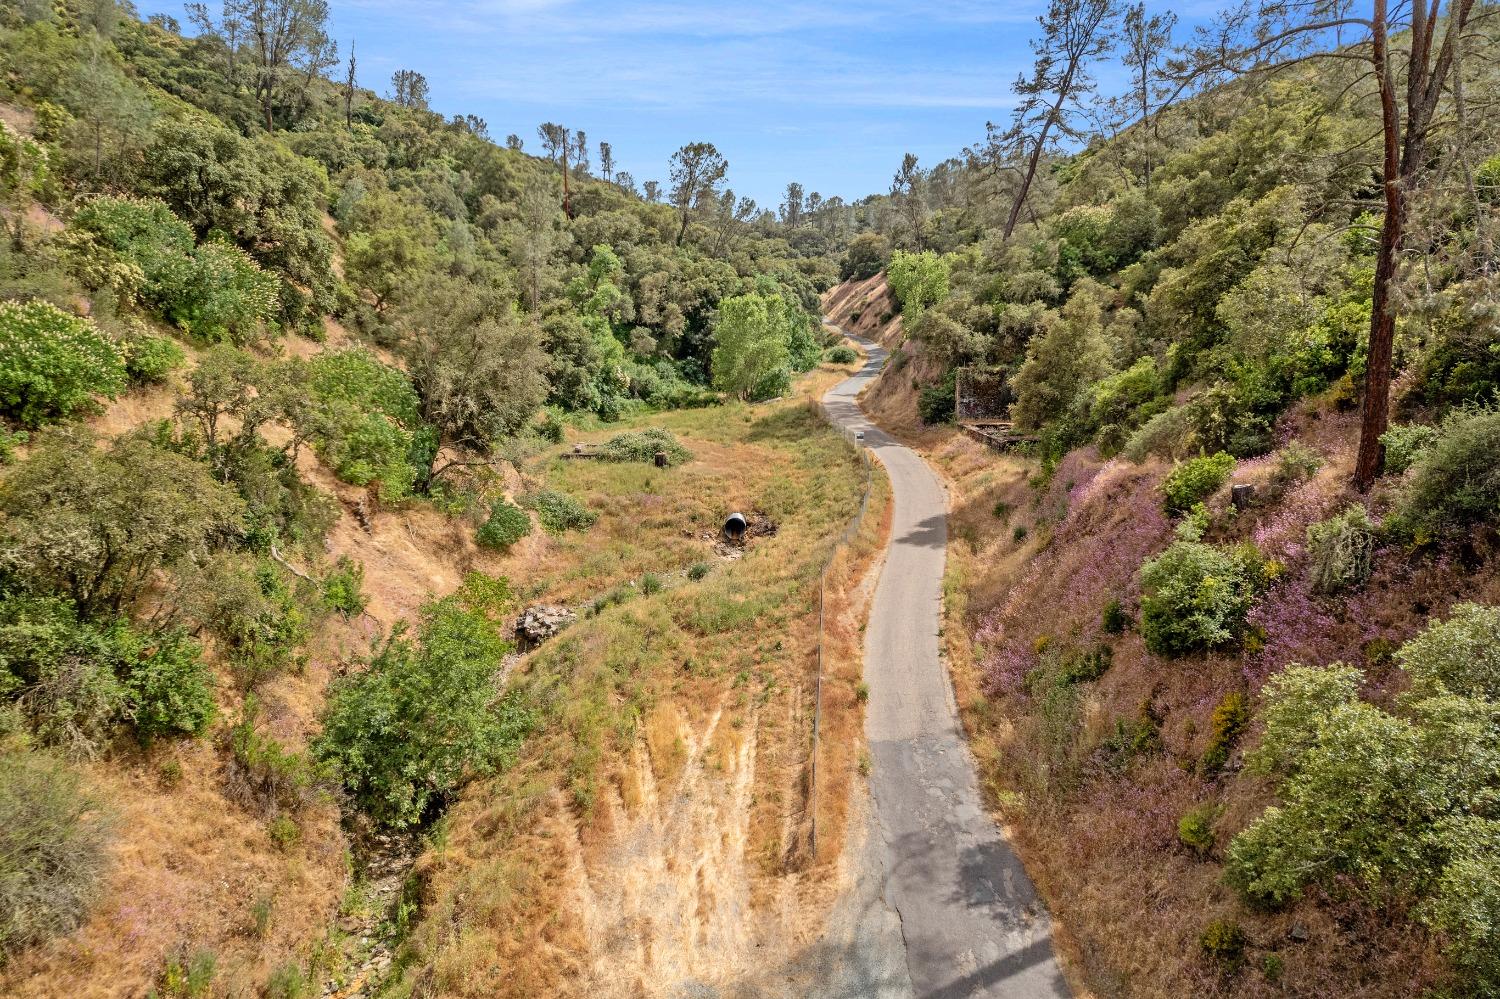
372 617
311 400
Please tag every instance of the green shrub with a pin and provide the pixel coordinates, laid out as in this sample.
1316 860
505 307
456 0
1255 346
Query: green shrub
843 355
95 525
76 679
1195 597
259 610
52 365
651 584
1294 463
215 291
1224 942
698 570
643 445
268 771
559 512
1387 804
289 982
1194 480
169 689
506 525
1230 718
550 428
189 976
1018 533
1195 830
284 832
1458 656
64 671
937 403
149 359
1086 665
1341 550
1405 443
52 850
425 717
369 427
1455 482
343 588
1116 619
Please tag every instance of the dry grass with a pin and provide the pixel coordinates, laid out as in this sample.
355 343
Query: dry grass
669 777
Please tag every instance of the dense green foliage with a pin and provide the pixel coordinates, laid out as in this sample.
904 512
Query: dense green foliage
644 445
1455 481
1195 480
559 512
52 364
1196 597
1392 804
506 524
424 717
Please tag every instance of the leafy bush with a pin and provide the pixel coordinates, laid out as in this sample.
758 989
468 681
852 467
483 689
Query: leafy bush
369 426
1405 443
76 680
343 588
559 512
267 771
843 355
256 607
1196 597
215 291
698 570
506 525
550 428
64 673
1195 830
1085 665
1455 482
1224 942
425 717
94 525
150 358
1116 619
1295 463
1195 480
169 689
52 840
651 584
1230 718
937 403
1389 805
52 365
1458 656
1341 550
643 445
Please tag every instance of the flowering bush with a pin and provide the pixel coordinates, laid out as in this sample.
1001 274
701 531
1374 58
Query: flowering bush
1196 597
52 364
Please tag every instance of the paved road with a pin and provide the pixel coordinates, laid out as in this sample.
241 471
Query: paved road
935 869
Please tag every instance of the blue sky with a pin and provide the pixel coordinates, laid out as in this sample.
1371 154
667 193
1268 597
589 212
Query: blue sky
831 94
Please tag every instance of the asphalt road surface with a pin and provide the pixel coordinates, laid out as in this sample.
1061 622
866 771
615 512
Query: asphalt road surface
936 879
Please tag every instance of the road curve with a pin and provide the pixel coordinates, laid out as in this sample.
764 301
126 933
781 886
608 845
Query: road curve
970 921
